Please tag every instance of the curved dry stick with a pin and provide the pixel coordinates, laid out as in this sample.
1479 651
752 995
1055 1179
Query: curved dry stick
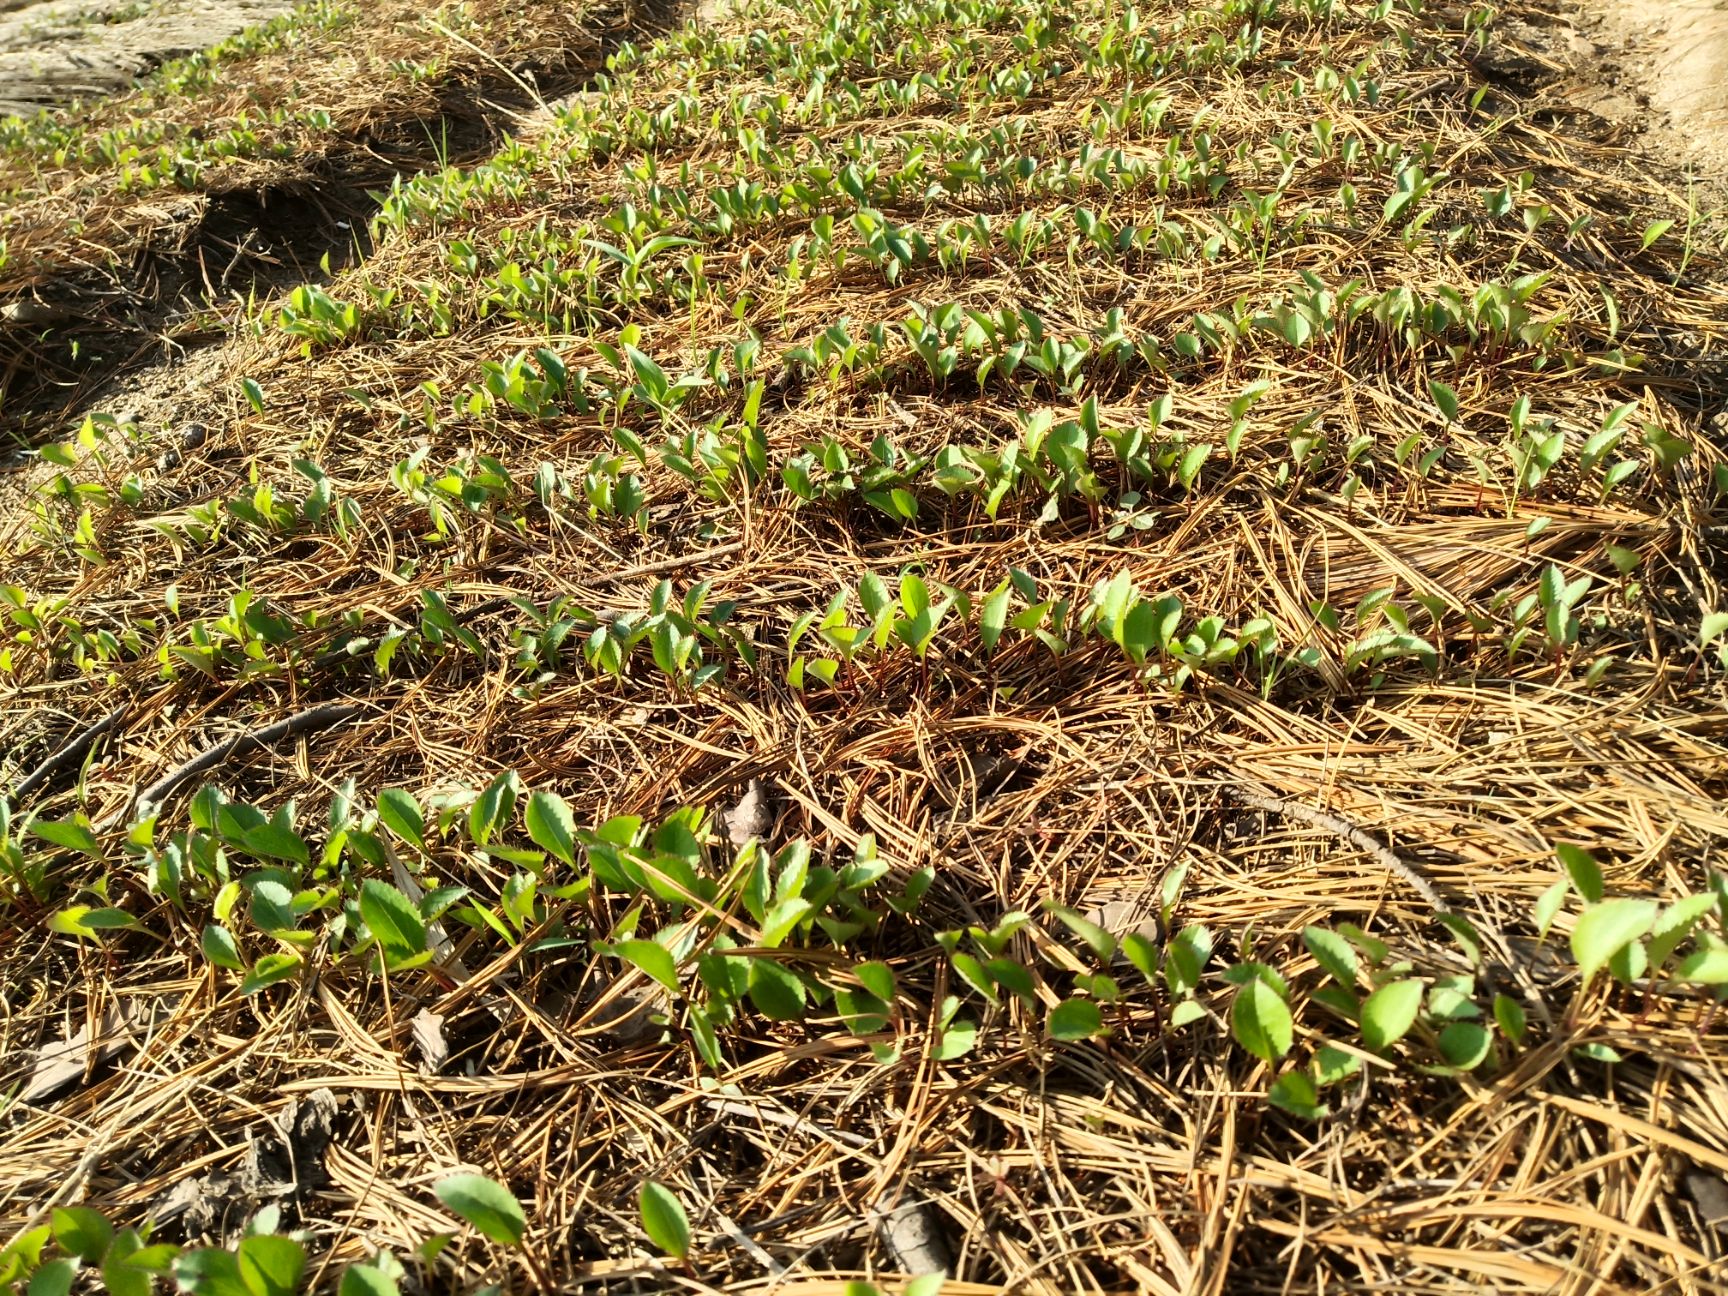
1343 828
330 656
69 753
310 720
662 565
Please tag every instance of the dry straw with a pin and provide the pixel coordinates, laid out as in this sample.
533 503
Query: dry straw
1149 1162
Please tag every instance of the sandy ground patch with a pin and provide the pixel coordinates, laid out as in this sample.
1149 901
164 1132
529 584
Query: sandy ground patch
1654 72
54 51
1677 50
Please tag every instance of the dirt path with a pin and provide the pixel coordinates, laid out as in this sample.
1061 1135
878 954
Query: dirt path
1655 72
53 51
1672 54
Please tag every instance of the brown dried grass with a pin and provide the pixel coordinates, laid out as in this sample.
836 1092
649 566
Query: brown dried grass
1151 1162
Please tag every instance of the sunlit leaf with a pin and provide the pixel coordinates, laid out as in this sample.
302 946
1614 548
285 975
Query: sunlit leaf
663 1220
486 1204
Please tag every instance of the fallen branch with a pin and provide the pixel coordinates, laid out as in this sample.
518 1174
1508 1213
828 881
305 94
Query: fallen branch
667 564
1347 831
330 656
311 720
605 616
69 753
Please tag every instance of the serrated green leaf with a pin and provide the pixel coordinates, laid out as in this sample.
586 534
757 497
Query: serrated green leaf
862 1012
1100 942
271 906
400 813
1445 399
392 919
52 1279
993 618
1185 959
551 825
84 921
973 974
1074 1019
1013 978
1582 869
1629 963
878 979
1189 1010
268 970
73 834
1143 954
782 918
82 1232
957 1040
1603 930
1465 933
1509 1013
491 809
1675 923
1548 907
434 904
274 840
130 1268
1332 952
367 1280
1333 1064
1708 966
1295 1093
1465 1044
219 948
1192 461
210 1272
23 1253
270 1265
776 991
651 957
1251 970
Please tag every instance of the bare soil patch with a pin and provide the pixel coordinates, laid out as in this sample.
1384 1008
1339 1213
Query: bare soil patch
59 50
139 289
1654 74
1676 57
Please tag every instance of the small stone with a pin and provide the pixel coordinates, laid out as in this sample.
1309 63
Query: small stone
191 436
912 1232
30 312
628 1016
752 817
60 1064
1710 1196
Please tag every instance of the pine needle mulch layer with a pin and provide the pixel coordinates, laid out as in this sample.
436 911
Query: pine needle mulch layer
1344 423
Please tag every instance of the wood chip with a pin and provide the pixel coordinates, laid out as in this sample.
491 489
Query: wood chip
61 1064
428 1031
